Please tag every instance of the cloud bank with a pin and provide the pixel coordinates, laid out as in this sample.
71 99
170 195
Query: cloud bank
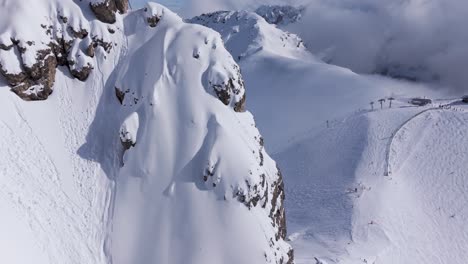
416 39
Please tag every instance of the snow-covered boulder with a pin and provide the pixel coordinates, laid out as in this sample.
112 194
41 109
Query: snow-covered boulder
129 131
153 15
56 33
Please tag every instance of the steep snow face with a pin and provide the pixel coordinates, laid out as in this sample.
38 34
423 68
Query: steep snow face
198 186
246 33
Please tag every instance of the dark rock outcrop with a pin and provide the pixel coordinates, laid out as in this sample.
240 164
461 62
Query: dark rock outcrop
105 10
83 73
153 20
34 82
120 95
232 92
5 47
122 6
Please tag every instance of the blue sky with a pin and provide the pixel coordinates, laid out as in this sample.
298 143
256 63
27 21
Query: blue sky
172 4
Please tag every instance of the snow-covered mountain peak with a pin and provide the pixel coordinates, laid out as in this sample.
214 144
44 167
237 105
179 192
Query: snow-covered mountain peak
281 14
246 33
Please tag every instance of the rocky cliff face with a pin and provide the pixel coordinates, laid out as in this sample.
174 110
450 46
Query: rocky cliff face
105 10
29 55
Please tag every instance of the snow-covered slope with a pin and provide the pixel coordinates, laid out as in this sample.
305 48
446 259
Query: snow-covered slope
246 33
343 207
149 157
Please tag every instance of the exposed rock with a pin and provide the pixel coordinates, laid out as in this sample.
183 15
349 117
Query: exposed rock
60 48
120 95
64 19
223 92
5 47
35 82
105 11
81 34
153 20
240 106
100 42
13 79
122 6
48 71
83 73
277 212
127 144
41 88
31 92
41 67
91 50
226 92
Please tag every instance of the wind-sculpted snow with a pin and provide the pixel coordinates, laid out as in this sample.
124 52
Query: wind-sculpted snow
198 186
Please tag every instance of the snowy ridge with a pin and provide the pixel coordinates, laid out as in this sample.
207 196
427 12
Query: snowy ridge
246 33
281 15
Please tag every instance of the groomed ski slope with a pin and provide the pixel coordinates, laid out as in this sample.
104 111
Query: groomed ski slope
342 207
